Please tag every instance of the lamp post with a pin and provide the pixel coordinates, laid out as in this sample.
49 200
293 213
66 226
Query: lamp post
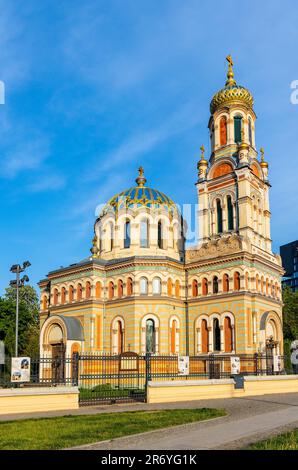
17 269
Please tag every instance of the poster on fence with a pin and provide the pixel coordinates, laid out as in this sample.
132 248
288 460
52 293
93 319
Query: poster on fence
277 363
183 365
20 369
235 365
2 353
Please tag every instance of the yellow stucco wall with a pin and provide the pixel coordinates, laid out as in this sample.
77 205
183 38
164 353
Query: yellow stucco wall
33 399
163 392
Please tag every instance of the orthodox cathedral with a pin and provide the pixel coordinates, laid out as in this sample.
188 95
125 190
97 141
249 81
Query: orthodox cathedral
142 290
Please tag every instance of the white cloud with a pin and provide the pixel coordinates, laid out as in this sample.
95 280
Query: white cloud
49 182
24 155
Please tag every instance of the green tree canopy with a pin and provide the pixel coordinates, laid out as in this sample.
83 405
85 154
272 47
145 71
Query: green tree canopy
290 314
28 320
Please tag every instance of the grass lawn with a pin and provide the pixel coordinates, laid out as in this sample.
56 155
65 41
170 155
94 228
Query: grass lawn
68 431
287 441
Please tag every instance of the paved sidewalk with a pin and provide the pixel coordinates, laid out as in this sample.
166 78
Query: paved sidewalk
224 433
210 435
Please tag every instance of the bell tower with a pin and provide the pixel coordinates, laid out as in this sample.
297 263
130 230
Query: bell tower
233 186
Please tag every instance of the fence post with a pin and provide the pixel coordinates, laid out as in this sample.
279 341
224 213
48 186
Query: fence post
256 360
148 369
75 369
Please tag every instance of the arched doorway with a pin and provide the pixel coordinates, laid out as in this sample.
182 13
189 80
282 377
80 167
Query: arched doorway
57 348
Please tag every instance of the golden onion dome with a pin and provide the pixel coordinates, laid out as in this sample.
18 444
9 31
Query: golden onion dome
231 93
140 196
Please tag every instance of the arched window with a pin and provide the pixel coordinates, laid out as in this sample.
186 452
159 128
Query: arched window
219 216
216 335
144 234
236 281
70 293
156 286
150 336
111 290
177 288
44 302
230 213
79 291
223 130
262 285
170 287
237 129
257 283
249 131
55 297
173 336
98 290
127 234
204 286
117 328
195 288
143 285
129 286
120 288
88 290
267 286
228 335
119 337
204 337
225 283
111 236
215 285
160 235
63 295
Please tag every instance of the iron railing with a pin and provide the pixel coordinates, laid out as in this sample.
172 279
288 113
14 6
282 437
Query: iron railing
107 378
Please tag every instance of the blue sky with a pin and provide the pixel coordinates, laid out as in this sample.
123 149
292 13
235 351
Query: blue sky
96 88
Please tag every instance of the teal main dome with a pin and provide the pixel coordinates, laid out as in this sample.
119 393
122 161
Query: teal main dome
140 196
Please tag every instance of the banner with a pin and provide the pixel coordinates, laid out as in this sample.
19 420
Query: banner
20 369
235 365
277 363
183 365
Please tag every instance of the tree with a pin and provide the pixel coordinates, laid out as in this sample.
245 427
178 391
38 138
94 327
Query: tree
290 314
28 320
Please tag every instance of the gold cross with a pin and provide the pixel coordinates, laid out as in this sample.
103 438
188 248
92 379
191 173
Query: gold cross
230 60
141 171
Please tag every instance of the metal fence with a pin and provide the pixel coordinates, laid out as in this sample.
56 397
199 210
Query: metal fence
107 378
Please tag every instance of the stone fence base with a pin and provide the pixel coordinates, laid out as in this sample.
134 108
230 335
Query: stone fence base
187 390
29 400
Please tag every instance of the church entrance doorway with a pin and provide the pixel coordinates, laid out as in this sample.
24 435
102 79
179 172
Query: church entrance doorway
58 361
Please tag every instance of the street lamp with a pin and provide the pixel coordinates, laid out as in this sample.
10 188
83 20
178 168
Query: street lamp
17 269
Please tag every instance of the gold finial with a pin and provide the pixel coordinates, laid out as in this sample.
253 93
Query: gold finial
141 180
263 163
94 249
230 75
202 148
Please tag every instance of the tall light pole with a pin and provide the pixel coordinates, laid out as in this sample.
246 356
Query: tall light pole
17 269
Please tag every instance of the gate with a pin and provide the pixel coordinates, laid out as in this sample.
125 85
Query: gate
111 378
